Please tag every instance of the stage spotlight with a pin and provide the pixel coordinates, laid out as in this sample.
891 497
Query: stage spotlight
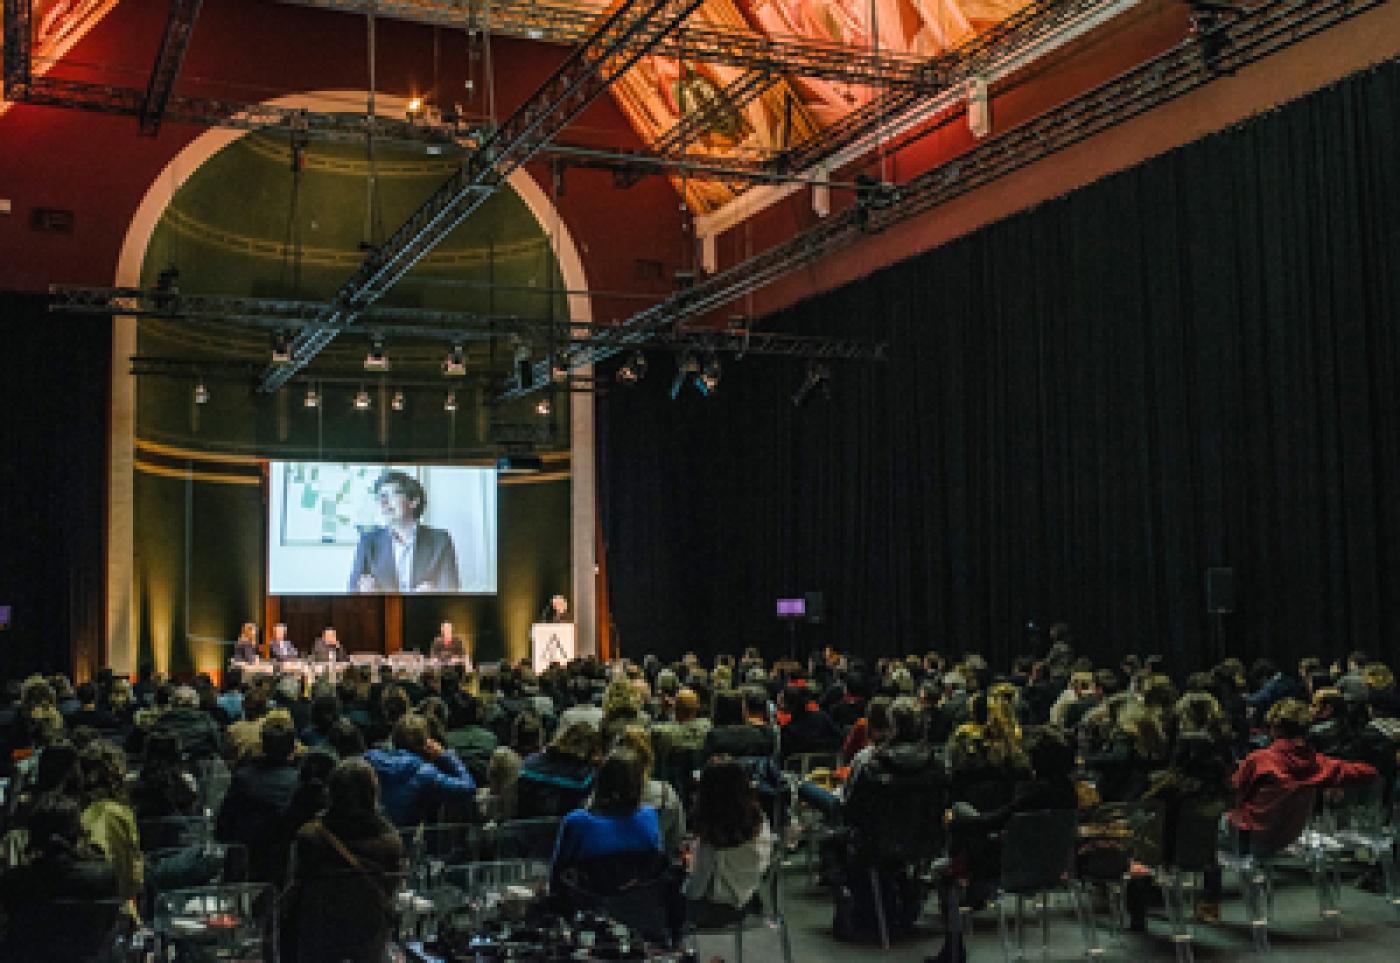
281 348
543 407
634 370
201 393
376 359
396 401
313 398
362 399
449 403
455 364
708 378
818 375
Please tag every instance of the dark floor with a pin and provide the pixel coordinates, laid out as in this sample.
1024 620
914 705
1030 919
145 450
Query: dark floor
1370 931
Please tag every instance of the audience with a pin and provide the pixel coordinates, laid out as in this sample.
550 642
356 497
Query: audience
690 750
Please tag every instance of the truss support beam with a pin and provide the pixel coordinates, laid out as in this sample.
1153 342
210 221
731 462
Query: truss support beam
178 28
617 44
570 24
19 38
1194 62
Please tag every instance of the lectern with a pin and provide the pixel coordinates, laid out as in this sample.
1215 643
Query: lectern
551 642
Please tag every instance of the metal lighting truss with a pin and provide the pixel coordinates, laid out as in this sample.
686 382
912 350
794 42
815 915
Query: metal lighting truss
171 55
1223 48
570 24
449 327
613 48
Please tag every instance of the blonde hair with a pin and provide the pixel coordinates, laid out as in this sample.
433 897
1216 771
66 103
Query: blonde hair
1378 677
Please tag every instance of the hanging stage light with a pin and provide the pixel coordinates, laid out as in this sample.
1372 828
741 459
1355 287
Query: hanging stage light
633 370
396 401
455 364
376 359
450 402
708 378
362 401
313 397
685 367
201 393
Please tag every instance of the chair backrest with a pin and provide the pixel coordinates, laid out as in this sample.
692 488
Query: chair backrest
1037 850
1112 835
633 888
229 922
526 838
172 832
896 816
802 763
1196 835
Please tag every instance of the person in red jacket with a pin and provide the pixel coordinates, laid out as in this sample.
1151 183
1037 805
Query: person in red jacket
1276 787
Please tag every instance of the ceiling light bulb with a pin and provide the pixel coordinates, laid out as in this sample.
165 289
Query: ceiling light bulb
396 402
201 393
313 398
362 400
450 402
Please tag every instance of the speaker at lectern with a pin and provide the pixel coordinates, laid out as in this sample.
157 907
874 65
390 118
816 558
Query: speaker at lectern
551 642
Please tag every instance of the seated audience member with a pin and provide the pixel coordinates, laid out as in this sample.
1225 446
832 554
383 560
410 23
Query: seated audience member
466 736
1331 731
51 899
732 734
325 713
1136 748
417 776
243 740
1351 679
345 873
973 838
1276 787
231 693
1271 686
164 788
986 759
558 779
659 795
346 740
593 842
252 809
687 730
808 728
89 714
308 800
107 818
733 846
1080 688
502 777
199 734
622 707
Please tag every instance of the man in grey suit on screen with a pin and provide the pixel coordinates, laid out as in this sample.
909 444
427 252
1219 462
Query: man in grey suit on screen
403 555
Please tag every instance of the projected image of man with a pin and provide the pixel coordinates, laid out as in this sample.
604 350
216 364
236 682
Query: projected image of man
403 555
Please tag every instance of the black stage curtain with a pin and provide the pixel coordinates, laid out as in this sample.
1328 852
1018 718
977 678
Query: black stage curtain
54 397
1191 364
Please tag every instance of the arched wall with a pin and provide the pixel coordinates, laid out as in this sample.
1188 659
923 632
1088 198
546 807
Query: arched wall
121 615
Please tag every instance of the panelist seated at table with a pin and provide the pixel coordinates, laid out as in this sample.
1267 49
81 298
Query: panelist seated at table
448 645
245 647
327 648
279 647
403 555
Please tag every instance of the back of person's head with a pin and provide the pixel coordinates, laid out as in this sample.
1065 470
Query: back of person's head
346 739
393 704
795 699
1378 677
906 720
526 733
352 791
325 710
184 697
1106 681
255 704
55 825
279 739
502 770
1329 704
87 693
578 741
58 769
1308 667
729 708
37 691
411 734
104 771
316 768
1357 660
618 788
687 704
1200 713
879 719
1051 755
637 740
163 748
1262 671
726 811
1288 719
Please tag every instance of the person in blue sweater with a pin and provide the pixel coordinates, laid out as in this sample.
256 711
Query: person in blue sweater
615 824
417 776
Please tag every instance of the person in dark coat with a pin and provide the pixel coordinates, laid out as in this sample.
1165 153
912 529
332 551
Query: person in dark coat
199 734
61 904
252 810
345 871
732 734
